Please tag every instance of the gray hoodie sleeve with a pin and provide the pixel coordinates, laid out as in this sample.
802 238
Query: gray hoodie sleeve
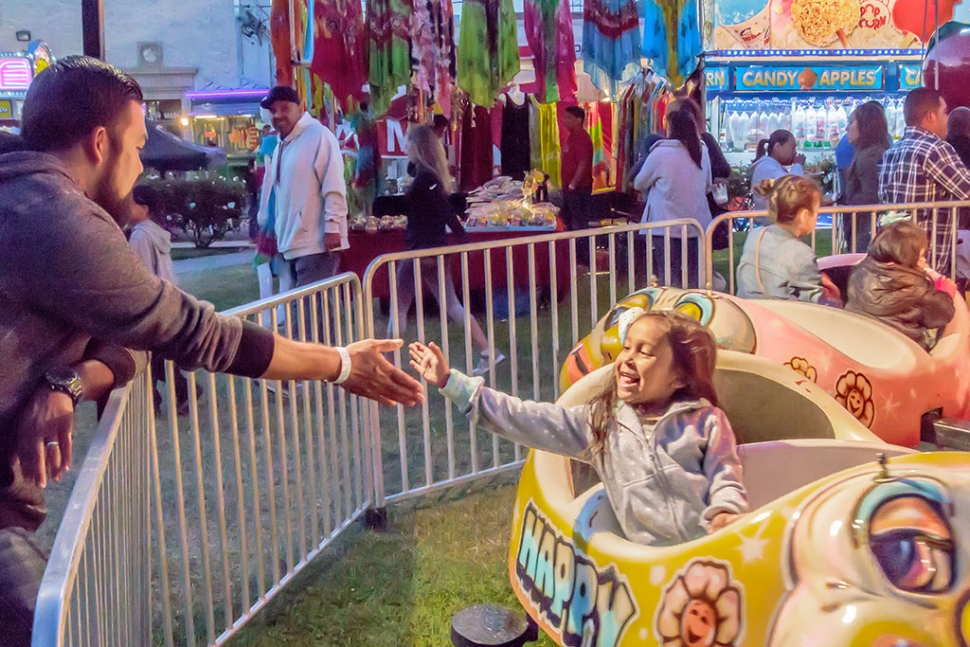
722 468
82 271
542 425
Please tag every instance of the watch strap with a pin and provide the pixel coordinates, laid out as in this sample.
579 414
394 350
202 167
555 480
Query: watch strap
66 381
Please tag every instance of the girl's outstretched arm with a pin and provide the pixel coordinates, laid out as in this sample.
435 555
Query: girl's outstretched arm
542 425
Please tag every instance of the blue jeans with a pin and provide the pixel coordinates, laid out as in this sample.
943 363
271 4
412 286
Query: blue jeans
22 564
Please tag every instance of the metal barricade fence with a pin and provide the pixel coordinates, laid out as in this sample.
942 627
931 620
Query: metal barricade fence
97 586
847 234
245 491
532 277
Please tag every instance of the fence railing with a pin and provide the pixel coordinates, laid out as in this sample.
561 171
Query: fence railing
246 489
850 232
97 586
178 533
531 302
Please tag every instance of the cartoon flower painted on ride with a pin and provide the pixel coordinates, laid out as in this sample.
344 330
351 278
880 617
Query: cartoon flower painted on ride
854 392
802 366
701 608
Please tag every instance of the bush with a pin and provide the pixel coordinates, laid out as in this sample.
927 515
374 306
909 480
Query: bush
204 207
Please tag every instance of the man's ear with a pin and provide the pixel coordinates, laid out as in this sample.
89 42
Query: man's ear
96 145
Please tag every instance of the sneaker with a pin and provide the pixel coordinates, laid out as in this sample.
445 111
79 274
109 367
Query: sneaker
485 363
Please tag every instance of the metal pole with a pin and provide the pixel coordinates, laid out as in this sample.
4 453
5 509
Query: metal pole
92 25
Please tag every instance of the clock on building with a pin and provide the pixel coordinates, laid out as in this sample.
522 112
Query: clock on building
150 53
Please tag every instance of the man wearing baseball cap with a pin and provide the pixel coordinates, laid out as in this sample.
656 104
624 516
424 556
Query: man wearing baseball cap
307 176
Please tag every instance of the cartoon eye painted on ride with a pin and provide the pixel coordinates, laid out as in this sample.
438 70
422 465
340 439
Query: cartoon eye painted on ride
696 306
642 299
913 544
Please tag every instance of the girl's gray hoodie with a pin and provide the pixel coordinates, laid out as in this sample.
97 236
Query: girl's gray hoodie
665 485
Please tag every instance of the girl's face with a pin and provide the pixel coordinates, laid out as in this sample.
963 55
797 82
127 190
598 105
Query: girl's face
921 264
644 369
853 130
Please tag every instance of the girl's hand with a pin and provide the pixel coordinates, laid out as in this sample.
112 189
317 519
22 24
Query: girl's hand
722 519
430 363
832 292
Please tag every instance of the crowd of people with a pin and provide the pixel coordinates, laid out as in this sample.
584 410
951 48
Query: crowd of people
79 311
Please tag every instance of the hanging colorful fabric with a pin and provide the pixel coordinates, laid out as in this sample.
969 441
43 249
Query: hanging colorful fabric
611 42
388 40
549 143
672 37
338 54
445 64
549 32
484 70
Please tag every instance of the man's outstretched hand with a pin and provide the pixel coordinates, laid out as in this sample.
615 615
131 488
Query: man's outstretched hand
372 376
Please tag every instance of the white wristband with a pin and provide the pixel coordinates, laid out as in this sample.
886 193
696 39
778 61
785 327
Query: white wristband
344 365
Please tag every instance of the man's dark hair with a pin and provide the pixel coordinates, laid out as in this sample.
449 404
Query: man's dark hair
576 111
10 143
919 103
73 97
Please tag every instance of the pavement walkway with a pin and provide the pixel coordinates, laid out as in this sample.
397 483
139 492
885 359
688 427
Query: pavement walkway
212 262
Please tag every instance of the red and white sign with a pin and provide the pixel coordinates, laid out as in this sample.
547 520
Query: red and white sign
390 135
15 74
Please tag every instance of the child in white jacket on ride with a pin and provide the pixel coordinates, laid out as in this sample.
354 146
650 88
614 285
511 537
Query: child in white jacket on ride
665 453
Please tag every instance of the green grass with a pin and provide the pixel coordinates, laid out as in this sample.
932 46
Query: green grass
400 587
224 287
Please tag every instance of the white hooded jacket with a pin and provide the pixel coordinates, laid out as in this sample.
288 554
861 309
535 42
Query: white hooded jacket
307 174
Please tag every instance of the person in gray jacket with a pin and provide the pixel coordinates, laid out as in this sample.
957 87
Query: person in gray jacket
666 454
68 279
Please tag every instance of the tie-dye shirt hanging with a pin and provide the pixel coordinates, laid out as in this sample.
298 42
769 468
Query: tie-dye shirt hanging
388 41
611 42
672 37
549 32
433 50
339 56
488 52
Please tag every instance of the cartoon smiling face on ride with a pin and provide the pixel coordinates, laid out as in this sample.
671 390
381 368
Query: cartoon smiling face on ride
878 562
730 325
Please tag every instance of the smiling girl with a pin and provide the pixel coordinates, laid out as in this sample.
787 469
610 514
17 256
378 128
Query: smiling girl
665 453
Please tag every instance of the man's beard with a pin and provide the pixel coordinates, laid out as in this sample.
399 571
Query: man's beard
118 207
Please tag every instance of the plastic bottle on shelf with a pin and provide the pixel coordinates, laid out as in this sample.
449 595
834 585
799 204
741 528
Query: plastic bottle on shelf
764 124
832 124
774 119
900 120
821 125
891 117
843 117
735 140
798 124
809 126
786 118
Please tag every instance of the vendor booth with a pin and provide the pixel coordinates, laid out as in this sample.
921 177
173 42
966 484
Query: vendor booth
17 70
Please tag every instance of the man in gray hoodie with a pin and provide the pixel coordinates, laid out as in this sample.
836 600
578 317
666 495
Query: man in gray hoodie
68 278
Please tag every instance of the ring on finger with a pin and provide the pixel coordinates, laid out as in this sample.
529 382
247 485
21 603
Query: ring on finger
52 443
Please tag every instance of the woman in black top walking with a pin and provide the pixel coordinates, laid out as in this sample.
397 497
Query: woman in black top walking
429 212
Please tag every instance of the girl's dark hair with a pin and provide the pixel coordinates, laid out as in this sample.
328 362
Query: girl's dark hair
873 128
788 195
148 196
765 146
694 358
682 126
901 242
